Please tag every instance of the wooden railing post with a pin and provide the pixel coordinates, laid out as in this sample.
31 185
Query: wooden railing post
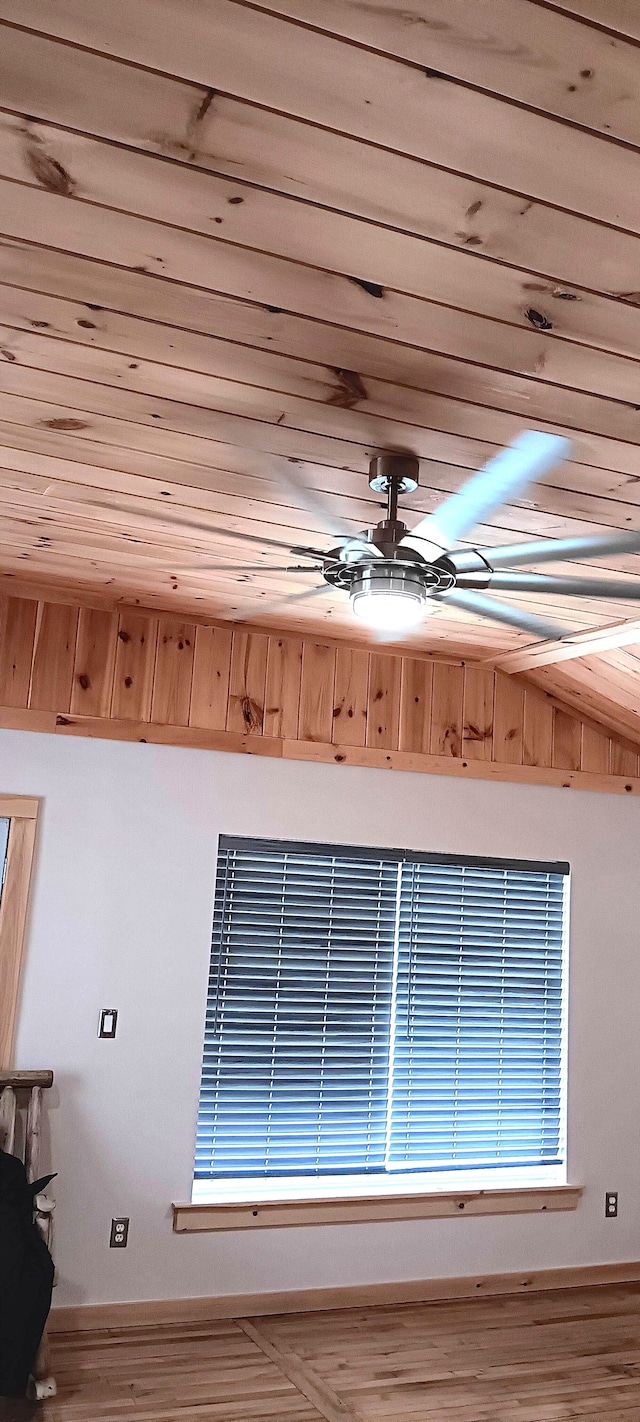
8 1112
13 1085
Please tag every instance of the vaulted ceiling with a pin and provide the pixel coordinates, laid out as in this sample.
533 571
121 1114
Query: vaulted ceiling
241 241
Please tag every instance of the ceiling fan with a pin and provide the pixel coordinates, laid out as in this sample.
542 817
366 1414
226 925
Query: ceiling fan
395 576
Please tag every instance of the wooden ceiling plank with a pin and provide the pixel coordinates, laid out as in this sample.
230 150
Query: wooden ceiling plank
277 151
590 695
492 329
35 592
621 677
524 52
168 544
73 486
139 188
267 60
71 481
619 15
142 554
152 349
308 430
252 389
62 582
99 286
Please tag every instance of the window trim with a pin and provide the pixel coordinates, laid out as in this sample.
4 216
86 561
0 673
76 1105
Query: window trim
276 1214
22 812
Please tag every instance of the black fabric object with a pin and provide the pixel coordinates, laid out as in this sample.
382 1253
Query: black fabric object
26 1278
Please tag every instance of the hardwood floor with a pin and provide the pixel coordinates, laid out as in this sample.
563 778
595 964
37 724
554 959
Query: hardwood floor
546 1357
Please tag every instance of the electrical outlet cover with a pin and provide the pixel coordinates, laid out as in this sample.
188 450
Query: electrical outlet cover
119 1233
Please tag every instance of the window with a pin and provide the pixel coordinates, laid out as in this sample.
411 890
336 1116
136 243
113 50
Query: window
372 1012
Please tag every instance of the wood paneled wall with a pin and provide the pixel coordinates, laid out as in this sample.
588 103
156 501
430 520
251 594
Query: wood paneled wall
130 674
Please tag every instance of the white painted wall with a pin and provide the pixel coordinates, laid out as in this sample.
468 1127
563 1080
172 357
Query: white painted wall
121 917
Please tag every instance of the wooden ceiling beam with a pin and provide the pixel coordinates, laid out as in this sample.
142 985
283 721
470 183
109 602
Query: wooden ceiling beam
580 644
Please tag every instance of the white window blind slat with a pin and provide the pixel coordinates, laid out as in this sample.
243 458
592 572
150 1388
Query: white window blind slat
379 1011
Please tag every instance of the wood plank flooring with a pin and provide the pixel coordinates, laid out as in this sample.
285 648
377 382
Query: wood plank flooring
546 1357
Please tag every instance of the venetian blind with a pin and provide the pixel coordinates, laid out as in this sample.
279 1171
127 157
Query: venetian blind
376 1011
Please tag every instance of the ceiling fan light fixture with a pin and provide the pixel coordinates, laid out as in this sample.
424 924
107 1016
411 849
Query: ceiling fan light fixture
389 598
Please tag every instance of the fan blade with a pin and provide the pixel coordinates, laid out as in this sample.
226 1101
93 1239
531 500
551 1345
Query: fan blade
529 457
547 550
313 503
502 612
165 516
544 583
278 606
245 568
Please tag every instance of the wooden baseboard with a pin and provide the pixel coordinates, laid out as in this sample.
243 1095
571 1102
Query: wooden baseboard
81 1318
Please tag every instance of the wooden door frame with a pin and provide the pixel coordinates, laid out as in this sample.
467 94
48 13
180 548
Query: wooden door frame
22 812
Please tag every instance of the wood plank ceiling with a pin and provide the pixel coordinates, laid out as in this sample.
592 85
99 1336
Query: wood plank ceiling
241 240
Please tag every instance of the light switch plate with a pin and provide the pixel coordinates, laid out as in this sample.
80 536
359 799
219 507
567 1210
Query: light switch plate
108 1022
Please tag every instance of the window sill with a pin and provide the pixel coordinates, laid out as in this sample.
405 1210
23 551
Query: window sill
359 1209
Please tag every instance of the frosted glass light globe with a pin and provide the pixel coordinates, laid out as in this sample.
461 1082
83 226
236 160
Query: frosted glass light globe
388 611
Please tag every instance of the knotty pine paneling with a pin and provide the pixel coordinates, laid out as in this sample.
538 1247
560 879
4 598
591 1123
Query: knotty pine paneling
350 701
17 633
136 676
282 696
315 721
53 657
94 662
134 667
211 675
171 699
245 711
